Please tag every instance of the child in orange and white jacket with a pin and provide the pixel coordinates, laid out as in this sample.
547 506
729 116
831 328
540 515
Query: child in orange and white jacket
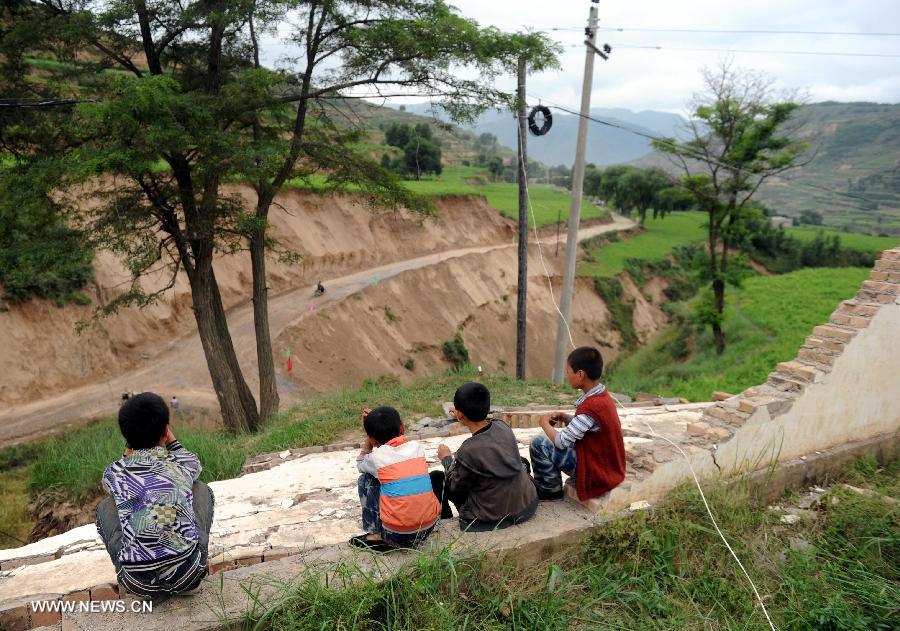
400 500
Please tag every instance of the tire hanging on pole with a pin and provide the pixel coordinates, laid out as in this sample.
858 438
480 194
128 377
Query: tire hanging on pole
547 122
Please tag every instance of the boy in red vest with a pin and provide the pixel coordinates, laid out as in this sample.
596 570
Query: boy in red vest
589 446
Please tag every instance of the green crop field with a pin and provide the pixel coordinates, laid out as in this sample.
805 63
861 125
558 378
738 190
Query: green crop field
852 240
657 240
766 323
548 203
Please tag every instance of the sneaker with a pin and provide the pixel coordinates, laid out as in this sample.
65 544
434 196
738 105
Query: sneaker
375 545
550 496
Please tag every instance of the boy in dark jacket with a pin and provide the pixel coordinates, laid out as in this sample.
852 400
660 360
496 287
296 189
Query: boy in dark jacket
590 446
487 479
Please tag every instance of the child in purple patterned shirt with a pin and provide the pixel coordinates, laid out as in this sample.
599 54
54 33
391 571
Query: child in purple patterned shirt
157 520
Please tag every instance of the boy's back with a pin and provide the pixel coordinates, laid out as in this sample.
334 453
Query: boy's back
601 454
408 503
488 478
152 489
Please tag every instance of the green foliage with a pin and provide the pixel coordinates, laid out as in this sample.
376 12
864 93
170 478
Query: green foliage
766 321
390 315
39 254
547 203
660 236
455 351
632 189
621 312
409 364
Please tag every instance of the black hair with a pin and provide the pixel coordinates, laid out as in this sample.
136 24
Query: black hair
588 359
382 424
474 400
143 419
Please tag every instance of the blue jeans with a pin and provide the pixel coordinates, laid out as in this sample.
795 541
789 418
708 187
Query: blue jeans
547 461
370 498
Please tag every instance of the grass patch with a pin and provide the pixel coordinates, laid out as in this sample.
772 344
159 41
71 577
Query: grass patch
660 569
766 322
15 523
657 240
851 240
548 203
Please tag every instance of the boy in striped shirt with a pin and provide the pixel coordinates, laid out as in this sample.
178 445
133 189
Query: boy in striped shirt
400 506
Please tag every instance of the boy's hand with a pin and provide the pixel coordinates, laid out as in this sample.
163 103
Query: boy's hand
368 445
560 419
443 451
362 417
547 426
170 437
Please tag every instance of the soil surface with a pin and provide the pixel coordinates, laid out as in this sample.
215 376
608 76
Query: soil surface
56 377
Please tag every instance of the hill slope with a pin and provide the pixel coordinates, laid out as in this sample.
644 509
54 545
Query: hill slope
853 174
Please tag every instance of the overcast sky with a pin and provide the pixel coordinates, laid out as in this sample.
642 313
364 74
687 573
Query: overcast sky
665 80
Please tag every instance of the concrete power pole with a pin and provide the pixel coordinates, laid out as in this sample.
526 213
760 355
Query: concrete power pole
565 302
523 228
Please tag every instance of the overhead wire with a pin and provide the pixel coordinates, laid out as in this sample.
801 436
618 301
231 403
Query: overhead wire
691 154
620 29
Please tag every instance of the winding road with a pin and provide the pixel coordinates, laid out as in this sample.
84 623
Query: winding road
181 366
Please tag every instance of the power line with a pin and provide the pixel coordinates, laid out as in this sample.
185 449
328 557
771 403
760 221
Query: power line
763 51
688 153
724 31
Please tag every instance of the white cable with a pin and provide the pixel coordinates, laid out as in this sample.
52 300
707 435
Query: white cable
708 510
537 238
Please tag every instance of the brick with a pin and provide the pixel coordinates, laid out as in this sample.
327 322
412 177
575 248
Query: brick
785 384
15 618
818 342
648 463
883 276
248 561
816 356
887 265
221 566
874 285
799 371
857 322
302 451
891 255
880 297
855 308
833 333
107 591
893 277
729 416
44 618
274 554
697 428
718 433
78 597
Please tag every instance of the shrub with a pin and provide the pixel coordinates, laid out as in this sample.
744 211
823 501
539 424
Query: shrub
455 351
410 364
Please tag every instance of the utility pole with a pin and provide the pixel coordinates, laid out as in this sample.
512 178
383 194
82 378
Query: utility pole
523 227
565 302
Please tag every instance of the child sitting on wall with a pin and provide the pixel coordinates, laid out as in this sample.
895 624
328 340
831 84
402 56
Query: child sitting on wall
397 494
487 480
156 522
590 445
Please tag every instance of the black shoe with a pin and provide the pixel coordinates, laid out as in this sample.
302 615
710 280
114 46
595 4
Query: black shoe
550 496
375 545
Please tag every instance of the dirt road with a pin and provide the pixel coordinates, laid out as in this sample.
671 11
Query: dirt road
181 368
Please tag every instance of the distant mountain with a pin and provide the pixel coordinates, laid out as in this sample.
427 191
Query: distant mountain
853 173
606 145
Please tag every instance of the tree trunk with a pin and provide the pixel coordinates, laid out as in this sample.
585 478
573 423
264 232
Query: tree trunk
268 388
235 398
719 297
